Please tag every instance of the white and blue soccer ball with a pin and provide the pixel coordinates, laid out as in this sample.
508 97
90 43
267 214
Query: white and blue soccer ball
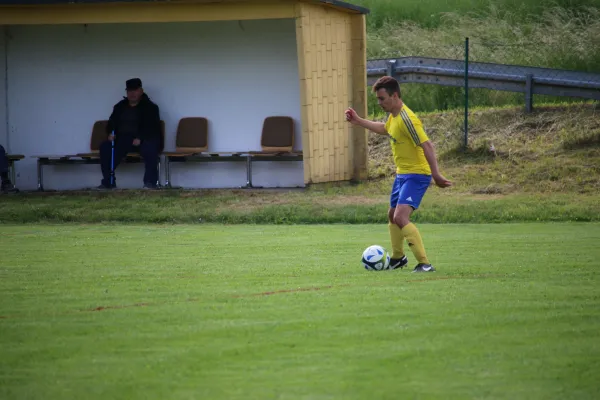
376 258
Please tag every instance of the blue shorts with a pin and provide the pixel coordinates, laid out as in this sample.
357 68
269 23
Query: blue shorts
409 189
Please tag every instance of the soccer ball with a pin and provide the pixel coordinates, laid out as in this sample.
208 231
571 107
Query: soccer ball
375 258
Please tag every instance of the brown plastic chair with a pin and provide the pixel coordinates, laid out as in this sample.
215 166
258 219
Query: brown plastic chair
277 137
277 134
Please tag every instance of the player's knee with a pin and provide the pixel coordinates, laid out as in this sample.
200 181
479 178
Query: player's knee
402 216
401 220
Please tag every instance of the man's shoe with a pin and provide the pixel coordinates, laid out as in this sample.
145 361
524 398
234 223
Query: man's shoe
396 263
150 186
104 187
424 268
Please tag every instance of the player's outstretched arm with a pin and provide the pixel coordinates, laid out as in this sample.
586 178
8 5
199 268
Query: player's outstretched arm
354 119
438 178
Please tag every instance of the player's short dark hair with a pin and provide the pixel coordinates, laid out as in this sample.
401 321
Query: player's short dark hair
388 83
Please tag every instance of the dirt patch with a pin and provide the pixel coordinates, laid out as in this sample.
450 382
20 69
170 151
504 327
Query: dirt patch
480 197
310 289
239 193
252 203
354 200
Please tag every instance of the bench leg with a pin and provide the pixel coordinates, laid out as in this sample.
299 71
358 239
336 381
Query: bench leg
158 173
249 184
40 177
167 173
13 175
248 172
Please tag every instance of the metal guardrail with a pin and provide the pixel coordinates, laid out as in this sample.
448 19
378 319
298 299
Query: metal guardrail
512 78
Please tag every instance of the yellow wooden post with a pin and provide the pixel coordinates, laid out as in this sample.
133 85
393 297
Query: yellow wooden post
303 41
359 101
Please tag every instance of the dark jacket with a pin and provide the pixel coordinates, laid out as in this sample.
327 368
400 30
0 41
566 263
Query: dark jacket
148 119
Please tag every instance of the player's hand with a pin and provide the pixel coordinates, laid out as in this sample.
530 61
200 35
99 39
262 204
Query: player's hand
442 182
111 137
351 116
136 142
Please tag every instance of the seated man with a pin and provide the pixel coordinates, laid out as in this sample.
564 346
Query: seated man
134 125
7 186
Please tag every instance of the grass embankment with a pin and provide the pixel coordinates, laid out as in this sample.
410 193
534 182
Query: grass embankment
554 150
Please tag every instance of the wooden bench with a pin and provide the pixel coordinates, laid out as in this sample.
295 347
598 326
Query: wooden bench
98 136
192 146
12 159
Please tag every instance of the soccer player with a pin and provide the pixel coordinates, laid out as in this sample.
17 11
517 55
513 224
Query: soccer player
416 165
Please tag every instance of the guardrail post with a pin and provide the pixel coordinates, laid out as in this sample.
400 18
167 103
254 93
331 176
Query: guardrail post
391 68
466 123
528 93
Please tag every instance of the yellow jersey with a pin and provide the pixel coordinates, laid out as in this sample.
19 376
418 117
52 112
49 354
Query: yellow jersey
406 136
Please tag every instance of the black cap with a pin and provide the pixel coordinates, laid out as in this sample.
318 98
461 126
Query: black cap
133 84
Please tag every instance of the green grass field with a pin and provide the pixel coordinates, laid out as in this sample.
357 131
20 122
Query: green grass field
286 312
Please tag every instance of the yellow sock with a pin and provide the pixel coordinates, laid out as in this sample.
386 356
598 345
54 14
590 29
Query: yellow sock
397 240
413 237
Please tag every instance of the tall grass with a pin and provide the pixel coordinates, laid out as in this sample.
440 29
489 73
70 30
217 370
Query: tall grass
562 38
429 13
